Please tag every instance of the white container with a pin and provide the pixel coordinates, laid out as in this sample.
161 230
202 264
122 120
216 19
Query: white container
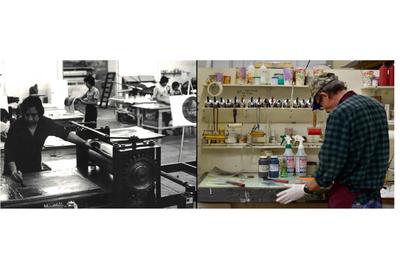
374 82
250 74
263 74
289 157
300 158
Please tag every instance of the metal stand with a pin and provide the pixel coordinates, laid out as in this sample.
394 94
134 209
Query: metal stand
181 149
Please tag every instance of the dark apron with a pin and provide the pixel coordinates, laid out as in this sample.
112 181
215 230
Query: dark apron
340 196
91 115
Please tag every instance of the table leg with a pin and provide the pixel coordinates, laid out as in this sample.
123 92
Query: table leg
160 121
182 139
137 117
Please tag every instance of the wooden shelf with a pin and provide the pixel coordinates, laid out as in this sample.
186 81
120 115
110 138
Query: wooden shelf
377 88
256 146
262 108
263 86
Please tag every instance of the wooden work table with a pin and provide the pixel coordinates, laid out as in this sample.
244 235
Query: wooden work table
154 107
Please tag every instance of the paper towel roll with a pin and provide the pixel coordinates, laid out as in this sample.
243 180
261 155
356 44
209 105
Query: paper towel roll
58 92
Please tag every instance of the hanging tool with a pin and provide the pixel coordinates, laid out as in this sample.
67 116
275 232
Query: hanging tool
314 118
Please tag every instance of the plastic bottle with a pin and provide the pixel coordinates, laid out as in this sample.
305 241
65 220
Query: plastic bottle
250 74
383 76
272 137
301 157
283 168
263 74
391 75
274 167
289 156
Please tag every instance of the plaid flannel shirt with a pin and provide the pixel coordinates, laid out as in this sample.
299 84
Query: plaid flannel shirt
355 151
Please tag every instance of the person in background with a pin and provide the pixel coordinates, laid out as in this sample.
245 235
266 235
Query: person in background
354 156
161 94
90 99
176 89
161 91
26 137
4 124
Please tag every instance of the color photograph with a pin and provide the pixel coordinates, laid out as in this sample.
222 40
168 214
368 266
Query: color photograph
298 134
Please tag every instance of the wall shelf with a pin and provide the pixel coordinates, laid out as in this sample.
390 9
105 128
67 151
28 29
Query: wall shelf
262 109
377 88
263 86
255 146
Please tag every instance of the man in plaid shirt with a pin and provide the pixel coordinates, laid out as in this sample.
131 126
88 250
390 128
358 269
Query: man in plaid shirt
355 153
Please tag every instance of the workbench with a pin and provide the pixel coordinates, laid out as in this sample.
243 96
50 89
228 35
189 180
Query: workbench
131 100
51 189
153 107
214 191
62 117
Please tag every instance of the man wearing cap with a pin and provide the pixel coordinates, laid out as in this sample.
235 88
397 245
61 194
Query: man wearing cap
353 159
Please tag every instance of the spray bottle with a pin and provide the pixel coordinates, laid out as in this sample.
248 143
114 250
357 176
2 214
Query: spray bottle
301 157
288 155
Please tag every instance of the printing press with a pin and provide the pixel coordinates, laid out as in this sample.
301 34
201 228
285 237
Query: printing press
120 169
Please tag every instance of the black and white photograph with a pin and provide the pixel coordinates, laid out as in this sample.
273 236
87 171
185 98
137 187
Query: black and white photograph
98 134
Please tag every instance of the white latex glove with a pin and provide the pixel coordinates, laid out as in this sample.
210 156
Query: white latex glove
293 193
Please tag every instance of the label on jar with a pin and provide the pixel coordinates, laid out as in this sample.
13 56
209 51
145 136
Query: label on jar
274 167
263 168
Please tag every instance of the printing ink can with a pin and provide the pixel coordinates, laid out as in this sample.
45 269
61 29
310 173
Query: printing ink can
263 167
274 167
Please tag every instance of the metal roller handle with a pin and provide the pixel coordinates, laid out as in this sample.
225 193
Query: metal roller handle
106 136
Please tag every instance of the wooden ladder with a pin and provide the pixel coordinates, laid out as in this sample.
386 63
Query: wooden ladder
108 84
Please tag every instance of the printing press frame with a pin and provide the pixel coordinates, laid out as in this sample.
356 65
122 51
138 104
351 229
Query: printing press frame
133 158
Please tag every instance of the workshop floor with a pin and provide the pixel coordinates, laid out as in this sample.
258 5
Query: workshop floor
170 146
